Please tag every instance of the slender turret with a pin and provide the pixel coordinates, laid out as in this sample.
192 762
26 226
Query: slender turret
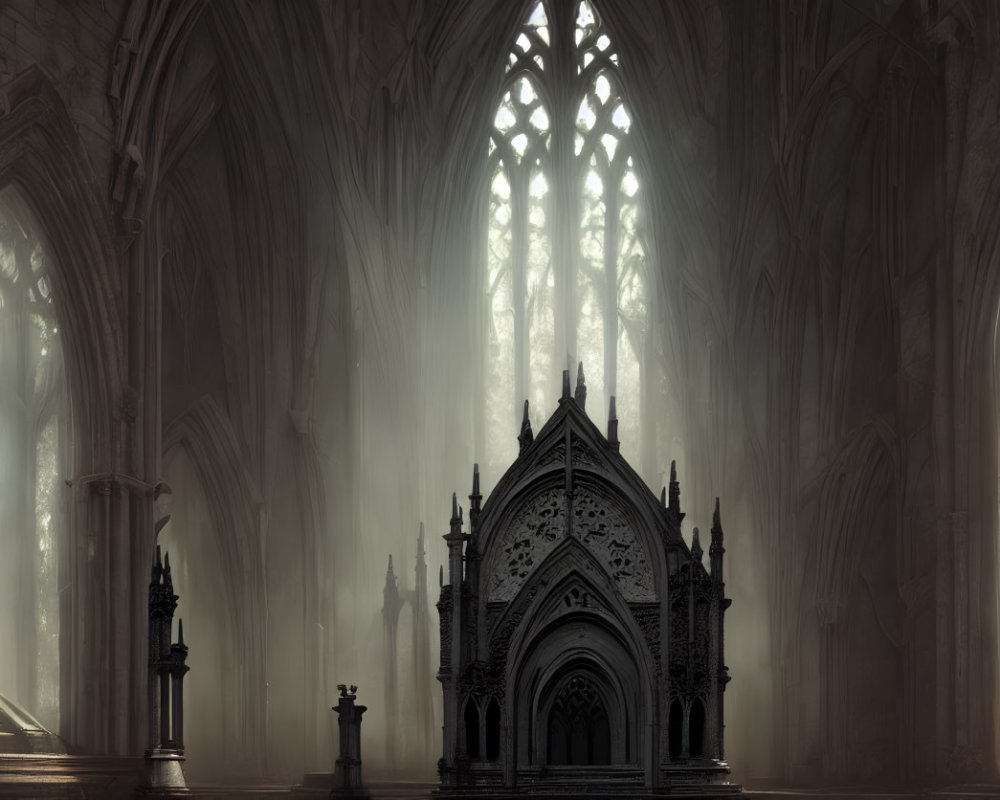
421 569
475 500
178 669
716 549
167 668
696 551
719 605
422 651
391 605
526 437
450 609
675 493
455 539
613 424
581 387
390 592
472 556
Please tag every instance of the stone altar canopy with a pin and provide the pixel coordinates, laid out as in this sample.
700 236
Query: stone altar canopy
581 638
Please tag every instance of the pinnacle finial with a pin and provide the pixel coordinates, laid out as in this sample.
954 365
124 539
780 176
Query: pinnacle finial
389 571
675 490
663 496
716 549
180 632
421 567
696 550
581 387
474 499
454 506
167 580
441 576
613 424
565 389
526 437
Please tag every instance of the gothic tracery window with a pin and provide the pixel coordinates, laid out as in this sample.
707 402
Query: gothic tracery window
579 732
32 452
566 260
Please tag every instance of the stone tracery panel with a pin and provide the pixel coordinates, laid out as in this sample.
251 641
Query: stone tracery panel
533 533
600 526
606 533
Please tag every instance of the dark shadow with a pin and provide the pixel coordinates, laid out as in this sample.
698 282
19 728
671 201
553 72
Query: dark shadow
471 728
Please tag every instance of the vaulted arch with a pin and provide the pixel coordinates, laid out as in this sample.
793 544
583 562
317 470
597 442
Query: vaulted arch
42 156
41 153
236 508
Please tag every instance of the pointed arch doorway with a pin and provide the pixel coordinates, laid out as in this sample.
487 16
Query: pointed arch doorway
578 729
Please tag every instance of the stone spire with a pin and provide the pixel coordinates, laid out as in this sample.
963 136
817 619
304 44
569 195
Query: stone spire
581 387
716 549
526 437
475 500
675 493
613 424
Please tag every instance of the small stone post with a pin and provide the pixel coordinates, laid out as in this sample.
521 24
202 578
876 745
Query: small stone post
347 770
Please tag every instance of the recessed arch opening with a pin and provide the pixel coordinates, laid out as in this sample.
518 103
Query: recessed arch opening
35 437
470 721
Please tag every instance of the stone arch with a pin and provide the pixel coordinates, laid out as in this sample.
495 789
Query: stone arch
675 729
35 437
492 726
588 720
577 644
236 508
601 639
525 499
41 154
696 728
470 727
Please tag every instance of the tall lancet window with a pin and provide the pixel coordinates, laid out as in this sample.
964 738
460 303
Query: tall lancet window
566 261
33 434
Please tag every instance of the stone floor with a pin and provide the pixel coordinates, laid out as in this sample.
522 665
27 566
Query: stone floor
97 778
404 790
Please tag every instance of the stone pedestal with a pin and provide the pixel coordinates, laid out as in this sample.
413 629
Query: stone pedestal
167 667
344 783
164 775
347 769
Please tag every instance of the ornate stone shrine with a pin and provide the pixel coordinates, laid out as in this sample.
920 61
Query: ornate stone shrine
581 638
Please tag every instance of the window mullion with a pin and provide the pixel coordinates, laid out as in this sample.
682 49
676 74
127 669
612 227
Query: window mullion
564 208
519 207
610 285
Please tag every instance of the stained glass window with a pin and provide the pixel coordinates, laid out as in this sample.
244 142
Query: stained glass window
566 261
32 415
